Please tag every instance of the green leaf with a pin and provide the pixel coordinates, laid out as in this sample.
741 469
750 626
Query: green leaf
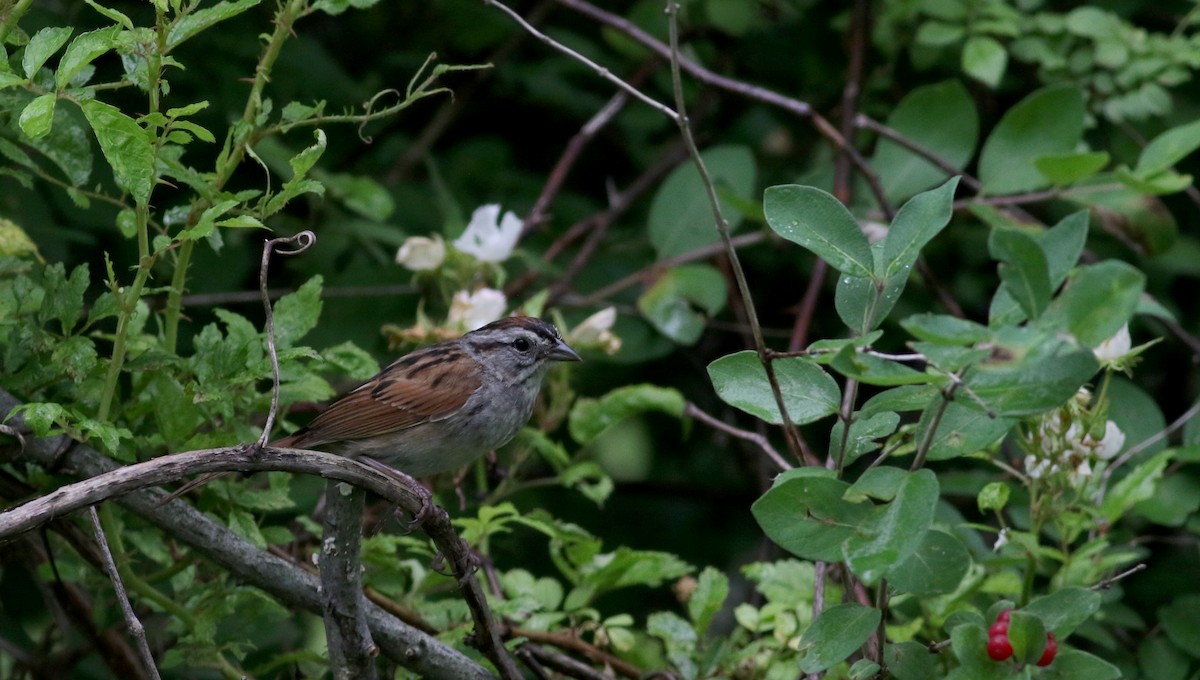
1023 269
1027 635
113 14
962 431
873 370
819 222
82 51
1168 148
938 566
297 313
669 305
1029 372
993 497
11 80
919 220
910 661
864 432
1064 610
944 329
242 523
589 417
969 642
1181 624
41 47
301 163
195 22
805 512
940 118
362 195
809 393
984 59
903 398
836 634
1062 245
1073 664
126 148
707 599
38 116
1096 302
895 530
861 304
1161 660
1134 487
1064 169
681 217
1046 122
678 637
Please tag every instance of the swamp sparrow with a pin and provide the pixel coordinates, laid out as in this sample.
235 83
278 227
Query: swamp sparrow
440 407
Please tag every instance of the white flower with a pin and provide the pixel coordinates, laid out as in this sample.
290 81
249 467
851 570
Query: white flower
1112 443
1115 347
1001 540
596 331
473 310
489 238
420 253
1037 468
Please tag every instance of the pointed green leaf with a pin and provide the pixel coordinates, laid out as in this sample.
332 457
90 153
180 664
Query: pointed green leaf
809 393
836 634
1167 149
113 14
1030 371
41 47
819 222
873 370
944 329
1046 122
1136 486
961 431
1096 302
82 51
679 303
1074 664
1023 269
919 220
589 417
197 21
707 599
125 146
11 80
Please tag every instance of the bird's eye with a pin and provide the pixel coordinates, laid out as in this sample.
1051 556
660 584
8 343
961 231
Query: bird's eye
521 344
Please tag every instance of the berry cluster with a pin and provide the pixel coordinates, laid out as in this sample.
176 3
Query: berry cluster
999 648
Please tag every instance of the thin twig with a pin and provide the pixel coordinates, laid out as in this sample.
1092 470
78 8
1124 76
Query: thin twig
573 643
136 629
739 275
1111 581
753 437
569 157
302 240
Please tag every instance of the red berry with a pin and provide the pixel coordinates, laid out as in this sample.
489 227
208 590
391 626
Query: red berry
998 628
1004 616
999 648
1051 650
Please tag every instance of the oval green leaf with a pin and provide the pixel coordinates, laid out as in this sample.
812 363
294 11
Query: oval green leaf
809 393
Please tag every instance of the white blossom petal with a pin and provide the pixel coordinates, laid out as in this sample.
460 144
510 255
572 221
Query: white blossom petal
470 311
1115 347
1113 442
419 253
1001 540
490 238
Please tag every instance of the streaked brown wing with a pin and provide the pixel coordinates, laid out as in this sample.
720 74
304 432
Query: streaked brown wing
423 386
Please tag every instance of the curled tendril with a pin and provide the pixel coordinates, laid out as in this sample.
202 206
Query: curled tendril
368 108
301 242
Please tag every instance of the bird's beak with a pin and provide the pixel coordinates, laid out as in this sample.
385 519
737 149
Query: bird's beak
563 352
